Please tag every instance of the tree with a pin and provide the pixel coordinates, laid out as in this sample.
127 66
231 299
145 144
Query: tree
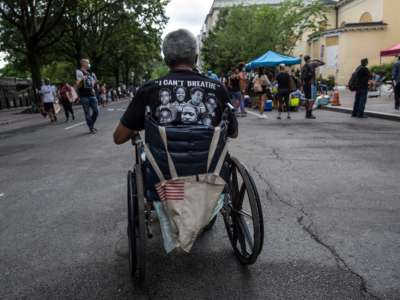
25 29
243 33
99 29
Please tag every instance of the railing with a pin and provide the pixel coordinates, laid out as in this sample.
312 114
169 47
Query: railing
22 98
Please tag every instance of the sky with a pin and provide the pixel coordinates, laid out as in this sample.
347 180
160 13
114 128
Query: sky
188 14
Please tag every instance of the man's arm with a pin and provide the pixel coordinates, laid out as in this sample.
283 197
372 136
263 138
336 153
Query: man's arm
233 126
132 120
79 78
123 134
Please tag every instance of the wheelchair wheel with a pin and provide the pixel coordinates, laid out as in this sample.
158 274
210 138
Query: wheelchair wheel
136 226
243 214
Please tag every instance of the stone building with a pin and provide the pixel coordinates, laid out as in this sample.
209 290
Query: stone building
356 29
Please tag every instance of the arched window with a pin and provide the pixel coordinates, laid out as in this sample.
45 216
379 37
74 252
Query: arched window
366 18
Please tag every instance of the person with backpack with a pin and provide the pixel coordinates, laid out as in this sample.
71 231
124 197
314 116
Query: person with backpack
86 82
308 80
396 83
260 85
359 83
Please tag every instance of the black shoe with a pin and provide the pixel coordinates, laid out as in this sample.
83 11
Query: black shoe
311 117
92 131
288 117
279 118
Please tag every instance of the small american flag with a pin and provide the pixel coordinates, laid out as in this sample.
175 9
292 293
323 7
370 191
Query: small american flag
171 190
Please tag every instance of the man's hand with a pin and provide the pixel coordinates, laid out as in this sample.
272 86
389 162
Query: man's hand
123 134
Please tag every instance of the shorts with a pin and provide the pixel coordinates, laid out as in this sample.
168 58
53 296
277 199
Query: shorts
307 91
48 106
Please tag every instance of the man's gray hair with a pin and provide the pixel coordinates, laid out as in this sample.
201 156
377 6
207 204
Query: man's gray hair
180 48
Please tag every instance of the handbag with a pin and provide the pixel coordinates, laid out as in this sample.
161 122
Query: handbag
187 203
257 87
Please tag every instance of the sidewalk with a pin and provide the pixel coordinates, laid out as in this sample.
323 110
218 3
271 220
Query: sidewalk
378 107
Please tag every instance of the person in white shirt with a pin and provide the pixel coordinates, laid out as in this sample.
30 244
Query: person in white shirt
48 95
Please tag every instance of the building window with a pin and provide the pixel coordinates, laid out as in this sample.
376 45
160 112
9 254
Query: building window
366 18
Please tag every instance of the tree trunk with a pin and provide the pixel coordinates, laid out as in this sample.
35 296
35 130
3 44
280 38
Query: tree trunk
34 65
116 76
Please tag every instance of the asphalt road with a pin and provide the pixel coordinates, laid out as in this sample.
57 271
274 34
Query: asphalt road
330 194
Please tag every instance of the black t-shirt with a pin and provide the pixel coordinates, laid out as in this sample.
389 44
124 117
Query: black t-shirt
363 77
235 84
181 97
283 80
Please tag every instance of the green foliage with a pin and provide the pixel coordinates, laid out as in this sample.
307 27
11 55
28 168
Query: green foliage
10 70
159 70
383 69
59 72
246 32
120 37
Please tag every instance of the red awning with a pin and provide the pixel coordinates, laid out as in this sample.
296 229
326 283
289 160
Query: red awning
395 50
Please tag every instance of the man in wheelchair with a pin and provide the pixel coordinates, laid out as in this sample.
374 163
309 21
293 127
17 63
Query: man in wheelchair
181 97
186 118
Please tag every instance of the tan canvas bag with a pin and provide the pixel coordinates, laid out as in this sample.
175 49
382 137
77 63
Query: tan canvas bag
189 202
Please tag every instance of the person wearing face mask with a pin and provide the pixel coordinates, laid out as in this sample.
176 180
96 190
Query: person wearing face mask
85 82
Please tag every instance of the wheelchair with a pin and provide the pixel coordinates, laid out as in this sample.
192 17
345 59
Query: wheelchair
241 212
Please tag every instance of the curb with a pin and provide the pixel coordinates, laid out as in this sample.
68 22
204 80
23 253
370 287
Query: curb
369 113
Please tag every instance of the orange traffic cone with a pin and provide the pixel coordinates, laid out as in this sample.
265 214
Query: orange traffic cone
336 98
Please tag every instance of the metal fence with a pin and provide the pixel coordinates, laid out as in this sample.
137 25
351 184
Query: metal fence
15 93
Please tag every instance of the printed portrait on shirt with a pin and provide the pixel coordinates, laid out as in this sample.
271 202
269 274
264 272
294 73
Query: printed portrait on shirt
197 96
189 114
211 104
180 95
166 112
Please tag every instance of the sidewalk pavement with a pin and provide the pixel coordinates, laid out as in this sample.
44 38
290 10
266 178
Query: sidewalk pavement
378 107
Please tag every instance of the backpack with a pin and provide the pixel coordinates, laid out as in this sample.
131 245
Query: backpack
353 82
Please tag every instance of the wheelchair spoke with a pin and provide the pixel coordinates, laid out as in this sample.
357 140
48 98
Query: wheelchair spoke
241 237
245 229
243 213
234 184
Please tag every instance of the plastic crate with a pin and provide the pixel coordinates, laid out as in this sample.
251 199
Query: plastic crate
268 105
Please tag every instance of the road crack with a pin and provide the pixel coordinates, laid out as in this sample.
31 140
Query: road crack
306 222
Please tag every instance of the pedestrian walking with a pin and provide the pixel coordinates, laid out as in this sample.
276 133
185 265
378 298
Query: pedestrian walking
309 84
260 85
236 94
243 89
284 89
48 94
66 100
85 81
360 84
396 83
103 95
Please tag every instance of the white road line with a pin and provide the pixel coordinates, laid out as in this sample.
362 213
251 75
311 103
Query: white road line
1 194
75 125
257 115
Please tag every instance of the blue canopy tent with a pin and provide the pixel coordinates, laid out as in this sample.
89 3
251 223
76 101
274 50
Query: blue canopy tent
272 59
